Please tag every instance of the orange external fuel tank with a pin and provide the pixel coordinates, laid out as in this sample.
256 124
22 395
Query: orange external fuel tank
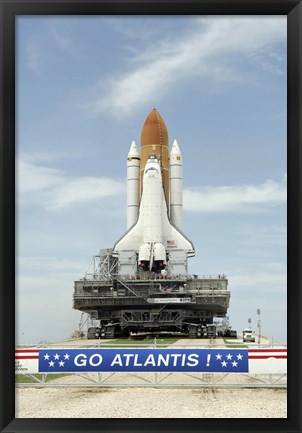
154 140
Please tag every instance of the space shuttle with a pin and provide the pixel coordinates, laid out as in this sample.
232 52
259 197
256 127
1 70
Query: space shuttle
154 200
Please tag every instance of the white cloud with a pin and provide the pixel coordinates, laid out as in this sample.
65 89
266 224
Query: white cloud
201 52
48 264
34 54
40 44
266 281
237 198
53 189
260 237
36 309
85 189
268 60
32 177
60 40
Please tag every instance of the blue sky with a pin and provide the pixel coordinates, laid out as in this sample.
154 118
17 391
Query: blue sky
84 88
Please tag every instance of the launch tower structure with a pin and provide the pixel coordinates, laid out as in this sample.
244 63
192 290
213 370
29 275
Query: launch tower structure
142 283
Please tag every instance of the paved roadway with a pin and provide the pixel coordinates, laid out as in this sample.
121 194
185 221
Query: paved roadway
80 342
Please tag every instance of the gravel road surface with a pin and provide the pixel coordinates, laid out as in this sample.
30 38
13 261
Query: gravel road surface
150 403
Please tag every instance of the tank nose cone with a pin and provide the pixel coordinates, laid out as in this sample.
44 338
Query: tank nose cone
154 130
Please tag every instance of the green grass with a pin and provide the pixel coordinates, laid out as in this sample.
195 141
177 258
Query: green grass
22 378
234 344
145 342
237 346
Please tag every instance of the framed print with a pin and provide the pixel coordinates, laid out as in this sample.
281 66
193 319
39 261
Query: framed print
199 239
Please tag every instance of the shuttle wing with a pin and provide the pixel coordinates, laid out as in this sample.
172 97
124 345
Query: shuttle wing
173 238
132 239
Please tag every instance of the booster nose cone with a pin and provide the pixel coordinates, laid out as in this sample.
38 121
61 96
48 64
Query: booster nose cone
133 152
154 139
175 149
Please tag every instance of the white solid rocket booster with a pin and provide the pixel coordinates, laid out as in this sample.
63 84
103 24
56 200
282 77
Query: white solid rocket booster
133 166
176 186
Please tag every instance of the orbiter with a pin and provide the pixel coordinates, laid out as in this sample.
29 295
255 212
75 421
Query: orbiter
154 199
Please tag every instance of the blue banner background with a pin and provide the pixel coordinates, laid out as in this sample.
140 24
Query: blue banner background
143 360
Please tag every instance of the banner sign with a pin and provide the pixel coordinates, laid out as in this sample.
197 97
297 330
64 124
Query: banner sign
143 360
26 361
220 360
268 361
169 300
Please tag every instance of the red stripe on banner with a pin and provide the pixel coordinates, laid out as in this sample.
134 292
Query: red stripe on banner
27 350
267 350
267 353
268 357
26 357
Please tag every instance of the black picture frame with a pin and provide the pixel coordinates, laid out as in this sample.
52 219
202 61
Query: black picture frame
9 10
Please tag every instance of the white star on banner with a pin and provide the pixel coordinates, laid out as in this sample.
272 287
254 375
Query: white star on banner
229 356
224 364
239 357
66 356
218 356
46 356
57 356
234 364
61 363
51 364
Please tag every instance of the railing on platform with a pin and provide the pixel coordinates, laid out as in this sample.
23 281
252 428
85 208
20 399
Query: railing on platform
157 379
